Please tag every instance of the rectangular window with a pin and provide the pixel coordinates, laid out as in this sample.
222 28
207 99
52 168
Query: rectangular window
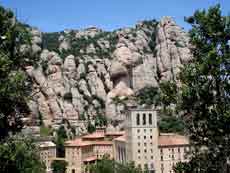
162 158
138 119
150 119
144 119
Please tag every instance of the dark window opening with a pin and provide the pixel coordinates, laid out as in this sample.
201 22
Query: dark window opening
144 119
138 119
150 119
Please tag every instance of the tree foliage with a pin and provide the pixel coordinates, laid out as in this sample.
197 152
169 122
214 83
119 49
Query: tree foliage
204 100
171 124
100 121
59 166
61 136
91 127
14 88
148 96
106 165
19 154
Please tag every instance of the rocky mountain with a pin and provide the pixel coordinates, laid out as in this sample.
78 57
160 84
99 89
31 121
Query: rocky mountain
86 73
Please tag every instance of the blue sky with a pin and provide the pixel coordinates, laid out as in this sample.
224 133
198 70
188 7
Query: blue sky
56 15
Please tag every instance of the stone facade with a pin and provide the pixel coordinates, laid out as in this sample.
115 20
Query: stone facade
146 147
88 148
140 143
47 153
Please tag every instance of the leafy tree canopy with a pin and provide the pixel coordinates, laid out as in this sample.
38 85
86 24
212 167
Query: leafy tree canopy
106 165
59 166
20 154
204 99
14 86
61 136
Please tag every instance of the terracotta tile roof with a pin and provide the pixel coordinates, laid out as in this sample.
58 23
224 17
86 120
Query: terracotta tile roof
89 159
94 135
78 142
170 139
121 138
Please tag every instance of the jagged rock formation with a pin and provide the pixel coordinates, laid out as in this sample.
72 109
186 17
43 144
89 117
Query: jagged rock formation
83 72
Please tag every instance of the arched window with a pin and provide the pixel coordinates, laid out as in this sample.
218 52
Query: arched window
138 119
150 119
144 119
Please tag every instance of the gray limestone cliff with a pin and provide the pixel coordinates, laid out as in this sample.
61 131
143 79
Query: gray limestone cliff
86 73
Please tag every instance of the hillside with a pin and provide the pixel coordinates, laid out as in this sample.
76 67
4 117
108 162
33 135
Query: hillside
85 74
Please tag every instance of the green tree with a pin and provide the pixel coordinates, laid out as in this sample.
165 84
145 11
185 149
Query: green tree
171 124
14 86
20 154
90 127
148 96
105 165
59 166
127 168
204 99
168 93
61 136
100 121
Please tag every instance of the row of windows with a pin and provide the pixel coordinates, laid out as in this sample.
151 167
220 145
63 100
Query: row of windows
173 158
145 144
172 150
139 137
139 130
51 153
145 151
144 119
139 157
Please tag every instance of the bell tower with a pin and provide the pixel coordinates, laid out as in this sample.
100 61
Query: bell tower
142 138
